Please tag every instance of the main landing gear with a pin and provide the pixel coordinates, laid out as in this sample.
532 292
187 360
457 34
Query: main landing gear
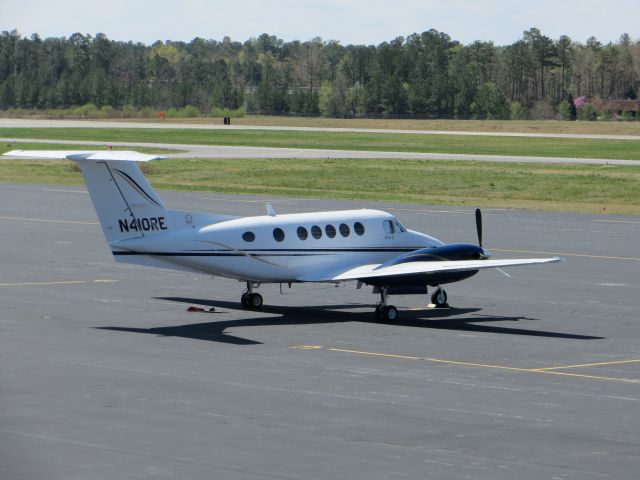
250 299
439 298
384 312
389 313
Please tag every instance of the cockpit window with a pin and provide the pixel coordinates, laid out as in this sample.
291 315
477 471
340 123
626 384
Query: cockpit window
400 226
389 227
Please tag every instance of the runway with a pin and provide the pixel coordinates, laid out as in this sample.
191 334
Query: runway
104 374
222 151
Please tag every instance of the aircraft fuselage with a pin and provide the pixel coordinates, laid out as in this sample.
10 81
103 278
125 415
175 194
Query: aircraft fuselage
281 248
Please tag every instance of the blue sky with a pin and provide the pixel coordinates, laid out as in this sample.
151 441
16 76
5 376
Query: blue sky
350 22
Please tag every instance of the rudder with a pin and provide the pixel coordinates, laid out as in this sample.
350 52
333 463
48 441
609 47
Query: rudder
126 204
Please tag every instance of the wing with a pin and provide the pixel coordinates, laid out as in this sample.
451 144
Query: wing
396 272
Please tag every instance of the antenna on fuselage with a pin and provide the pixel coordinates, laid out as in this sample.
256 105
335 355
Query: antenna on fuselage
270 210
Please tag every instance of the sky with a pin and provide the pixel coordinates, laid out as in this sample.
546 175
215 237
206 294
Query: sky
356 22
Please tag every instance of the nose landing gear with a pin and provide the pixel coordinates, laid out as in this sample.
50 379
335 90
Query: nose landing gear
249 299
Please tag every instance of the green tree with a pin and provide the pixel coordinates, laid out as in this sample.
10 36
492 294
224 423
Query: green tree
544 52
491 103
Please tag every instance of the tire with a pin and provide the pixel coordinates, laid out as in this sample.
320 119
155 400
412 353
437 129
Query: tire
244 300
255 300
439 298
390 313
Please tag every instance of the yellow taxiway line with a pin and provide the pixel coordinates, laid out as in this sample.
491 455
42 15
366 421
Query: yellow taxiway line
548 371
598 364
46 220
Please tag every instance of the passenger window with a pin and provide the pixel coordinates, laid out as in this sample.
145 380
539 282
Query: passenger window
278 234
302 233
330 230
389 227
344 230
358 228
248 236
316 232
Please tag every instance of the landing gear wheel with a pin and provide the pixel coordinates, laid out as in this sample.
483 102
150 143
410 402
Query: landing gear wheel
387 313
244 300
251 300
255 300
379 310
390 313
439 298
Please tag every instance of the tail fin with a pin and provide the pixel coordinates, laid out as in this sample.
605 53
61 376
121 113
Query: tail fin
126 205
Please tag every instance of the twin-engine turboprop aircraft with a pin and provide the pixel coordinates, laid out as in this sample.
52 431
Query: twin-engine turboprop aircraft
368 246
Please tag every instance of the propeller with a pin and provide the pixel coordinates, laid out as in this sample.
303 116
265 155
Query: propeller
479 229
479 226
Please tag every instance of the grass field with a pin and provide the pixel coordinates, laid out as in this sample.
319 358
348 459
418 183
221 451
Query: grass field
588 188
516 146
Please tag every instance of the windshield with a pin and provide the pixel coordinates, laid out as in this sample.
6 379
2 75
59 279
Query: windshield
400 226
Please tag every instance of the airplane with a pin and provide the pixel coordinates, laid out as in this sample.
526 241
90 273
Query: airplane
366 246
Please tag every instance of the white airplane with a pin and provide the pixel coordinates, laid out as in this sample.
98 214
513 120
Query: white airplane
368 246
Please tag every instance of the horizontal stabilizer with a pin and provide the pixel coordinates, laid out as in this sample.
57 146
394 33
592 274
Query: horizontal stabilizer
86 155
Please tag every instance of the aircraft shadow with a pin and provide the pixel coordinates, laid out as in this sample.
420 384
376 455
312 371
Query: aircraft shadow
460 319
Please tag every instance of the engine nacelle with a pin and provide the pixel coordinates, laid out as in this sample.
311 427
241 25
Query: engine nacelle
450 252
416 283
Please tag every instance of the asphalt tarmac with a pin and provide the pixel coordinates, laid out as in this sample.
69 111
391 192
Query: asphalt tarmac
104 374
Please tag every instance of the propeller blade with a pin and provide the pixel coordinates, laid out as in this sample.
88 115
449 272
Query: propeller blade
479 225
504 273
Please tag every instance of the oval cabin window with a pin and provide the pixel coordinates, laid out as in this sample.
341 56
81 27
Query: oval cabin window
330 230
248 236
278 234
344 230
316 232
302 233
358 228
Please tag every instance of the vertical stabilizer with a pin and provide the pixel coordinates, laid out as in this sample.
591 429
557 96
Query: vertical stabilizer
126 205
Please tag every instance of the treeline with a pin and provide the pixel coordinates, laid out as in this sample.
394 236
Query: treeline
423 75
